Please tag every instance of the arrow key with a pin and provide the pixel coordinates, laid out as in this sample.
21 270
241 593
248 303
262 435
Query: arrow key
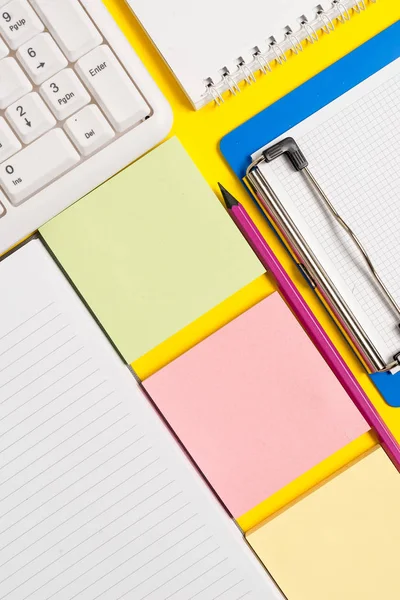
41 58
30 117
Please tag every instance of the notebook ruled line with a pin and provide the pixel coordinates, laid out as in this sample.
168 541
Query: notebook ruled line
172 578
34 348
178 558
99 514
156 573
50 418
52 351
198 576
207 539
52 384
26 321
161 489
125 561
30 334
71 566
64 457
58 445
72 484
76 497
216 581
145 548
63 361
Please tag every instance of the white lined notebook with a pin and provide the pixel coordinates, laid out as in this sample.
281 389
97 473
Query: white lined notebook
96 498
213 46
351 145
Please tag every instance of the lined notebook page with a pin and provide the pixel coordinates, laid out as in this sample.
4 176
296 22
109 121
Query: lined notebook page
352 149
96 498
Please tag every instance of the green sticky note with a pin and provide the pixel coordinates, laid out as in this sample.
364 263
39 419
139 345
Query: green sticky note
151 250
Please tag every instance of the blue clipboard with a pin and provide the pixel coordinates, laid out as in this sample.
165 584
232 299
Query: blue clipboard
238 146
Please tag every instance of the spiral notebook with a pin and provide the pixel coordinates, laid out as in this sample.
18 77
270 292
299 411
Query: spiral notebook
210 50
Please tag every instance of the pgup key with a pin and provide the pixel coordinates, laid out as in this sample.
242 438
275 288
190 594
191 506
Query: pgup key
19 23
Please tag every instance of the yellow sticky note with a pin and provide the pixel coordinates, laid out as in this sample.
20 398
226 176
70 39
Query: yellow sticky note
151 250
341 542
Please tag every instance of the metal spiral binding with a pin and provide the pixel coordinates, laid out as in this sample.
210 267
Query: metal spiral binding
279 52
248 75
344 13
276 52
326 22
297 45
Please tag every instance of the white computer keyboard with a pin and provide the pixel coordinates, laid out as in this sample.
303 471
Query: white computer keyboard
76 106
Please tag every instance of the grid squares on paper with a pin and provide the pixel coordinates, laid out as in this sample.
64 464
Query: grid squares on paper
354 156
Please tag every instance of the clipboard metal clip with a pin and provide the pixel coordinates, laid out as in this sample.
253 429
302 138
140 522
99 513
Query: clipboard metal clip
289 147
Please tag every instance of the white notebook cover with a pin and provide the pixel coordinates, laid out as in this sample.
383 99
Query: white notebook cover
199 39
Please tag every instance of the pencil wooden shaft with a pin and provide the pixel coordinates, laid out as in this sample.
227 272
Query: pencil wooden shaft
315 331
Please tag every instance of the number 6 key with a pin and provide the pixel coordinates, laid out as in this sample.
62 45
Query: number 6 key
41 58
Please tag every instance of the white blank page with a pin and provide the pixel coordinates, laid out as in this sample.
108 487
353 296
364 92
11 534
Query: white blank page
352 146
199 38
96 498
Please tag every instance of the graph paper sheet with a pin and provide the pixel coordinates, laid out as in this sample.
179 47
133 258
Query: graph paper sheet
352 146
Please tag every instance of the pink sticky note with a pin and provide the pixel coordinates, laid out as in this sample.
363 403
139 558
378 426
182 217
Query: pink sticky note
255 405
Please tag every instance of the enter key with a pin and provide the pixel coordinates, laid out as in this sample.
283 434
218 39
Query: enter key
112 88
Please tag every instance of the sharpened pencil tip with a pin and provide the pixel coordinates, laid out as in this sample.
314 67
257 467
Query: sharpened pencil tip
229 200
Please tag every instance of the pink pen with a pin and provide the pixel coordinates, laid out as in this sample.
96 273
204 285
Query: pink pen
311 325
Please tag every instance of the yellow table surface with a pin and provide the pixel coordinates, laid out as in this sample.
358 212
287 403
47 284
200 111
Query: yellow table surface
200 133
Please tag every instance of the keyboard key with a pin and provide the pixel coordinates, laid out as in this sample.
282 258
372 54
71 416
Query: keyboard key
37 165
14 82
112 88
70 25
41 58
30 117
19 23
64 94
2 210
4 51
89 130
9 143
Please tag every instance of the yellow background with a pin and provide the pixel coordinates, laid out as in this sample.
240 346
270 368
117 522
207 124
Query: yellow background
200 133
